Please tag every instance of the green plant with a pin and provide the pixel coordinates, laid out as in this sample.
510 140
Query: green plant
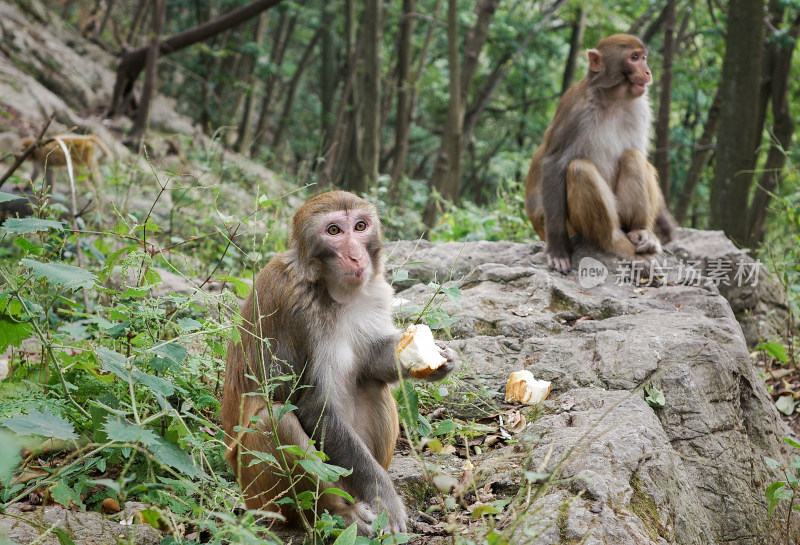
114 378
784 491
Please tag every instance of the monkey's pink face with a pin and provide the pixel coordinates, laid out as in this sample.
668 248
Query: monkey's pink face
637 72
348 233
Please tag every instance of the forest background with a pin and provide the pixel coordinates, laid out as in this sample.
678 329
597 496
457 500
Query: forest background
416 98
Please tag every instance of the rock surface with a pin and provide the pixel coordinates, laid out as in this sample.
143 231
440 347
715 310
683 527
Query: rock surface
690 472
85 528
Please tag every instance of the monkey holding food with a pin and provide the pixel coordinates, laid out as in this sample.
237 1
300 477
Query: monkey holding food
320 312
591 176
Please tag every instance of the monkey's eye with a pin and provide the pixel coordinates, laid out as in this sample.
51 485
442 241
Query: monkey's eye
361 225
333 230
635 57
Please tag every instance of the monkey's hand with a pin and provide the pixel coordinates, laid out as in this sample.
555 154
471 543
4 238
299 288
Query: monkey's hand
558 259
449 355
645 241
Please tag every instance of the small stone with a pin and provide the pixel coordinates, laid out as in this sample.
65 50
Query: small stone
110 506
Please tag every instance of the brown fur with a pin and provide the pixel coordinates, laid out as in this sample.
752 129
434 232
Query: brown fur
83 152
338 340
591 176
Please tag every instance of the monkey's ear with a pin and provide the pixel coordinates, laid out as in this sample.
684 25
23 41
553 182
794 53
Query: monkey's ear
595 60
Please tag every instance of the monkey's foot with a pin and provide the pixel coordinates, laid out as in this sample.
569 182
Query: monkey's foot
561 264
645 241
362 514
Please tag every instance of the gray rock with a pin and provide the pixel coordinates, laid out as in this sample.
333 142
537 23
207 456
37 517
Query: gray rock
90 528
691 472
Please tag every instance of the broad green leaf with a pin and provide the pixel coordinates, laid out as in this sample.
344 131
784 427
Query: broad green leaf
444 427
156 384
171 351
399 275
655 397
776 350
125 432
306 499
791 442
261 457
454 294
171 455
339 492
482 510
423 426
12 333
152 517
240 287
776 492
189 324
62 275
44 423
65 495
408 400
20 226
348 537
380 522
9 455
771 462
326 472
6 197
113 362
292 450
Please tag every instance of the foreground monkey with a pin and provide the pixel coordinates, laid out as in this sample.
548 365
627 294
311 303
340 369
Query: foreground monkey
83 151
591 175
321 312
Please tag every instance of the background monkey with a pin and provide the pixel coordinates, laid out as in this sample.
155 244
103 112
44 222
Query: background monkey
83 151
591 175
321 311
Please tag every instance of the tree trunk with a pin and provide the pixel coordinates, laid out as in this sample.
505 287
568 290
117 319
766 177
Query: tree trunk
328 73
473 45
653 28
291 91
211 65
402 124
575 49
499 73
141 9
143 113
737 138
423 58
447 170
245 133
351 164
779 55
279 47
703 150
106 16
132 62
665 101
371 85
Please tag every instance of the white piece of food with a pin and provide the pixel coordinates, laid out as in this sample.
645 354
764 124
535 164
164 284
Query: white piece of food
523 388
417 351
